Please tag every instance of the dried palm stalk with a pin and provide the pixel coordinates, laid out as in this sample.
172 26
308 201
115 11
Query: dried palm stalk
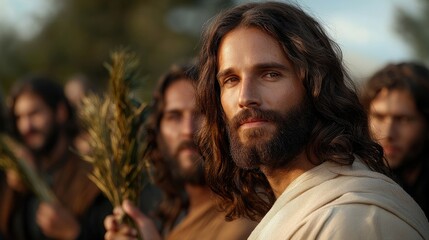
8 160
112 123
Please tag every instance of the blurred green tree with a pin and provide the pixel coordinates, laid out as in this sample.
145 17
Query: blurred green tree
414 29
79 36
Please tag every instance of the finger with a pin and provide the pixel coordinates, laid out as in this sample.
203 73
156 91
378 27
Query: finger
46 211
127 231
110 223
118 211
115 236
44 222
131 210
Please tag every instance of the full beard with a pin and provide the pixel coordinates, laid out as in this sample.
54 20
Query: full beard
193 175
292 133
51 140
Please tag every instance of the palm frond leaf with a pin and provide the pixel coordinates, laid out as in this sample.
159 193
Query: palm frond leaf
32 180
112 123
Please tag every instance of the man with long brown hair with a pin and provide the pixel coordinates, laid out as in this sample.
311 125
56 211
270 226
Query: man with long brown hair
188 209
397 100
285 137
44 122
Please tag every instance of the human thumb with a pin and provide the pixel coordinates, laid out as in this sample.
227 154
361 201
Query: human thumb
145 225
133 211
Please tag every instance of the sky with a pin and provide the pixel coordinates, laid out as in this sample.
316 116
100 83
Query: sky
364 29
24 16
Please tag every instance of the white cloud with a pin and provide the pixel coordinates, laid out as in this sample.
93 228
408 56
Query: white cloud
346 30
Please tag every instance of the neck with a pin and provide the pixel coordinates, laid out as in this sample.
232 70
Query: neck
281 178
197 195
57 153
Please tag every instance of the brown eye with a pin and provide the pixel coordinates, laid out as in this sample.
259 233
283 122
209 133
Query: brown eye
271 75
230 81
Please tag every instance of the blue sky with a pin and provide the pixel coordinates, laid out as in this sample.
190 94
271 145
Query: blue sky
364 29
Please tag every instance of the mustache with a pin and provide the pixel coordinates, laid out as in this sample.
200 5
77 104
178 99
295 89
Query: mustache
188 144
254 113
31 132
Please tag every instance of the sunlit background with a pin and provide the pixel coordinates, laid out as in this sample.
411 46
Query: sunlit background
62 38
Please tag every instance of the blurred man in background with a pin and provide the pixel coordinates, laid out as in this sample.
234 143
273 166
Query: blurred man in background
76 89
188 210
44 122
397 100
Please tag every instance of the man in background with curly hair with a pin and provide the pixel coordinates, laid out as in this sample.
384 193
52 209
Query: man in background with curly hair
397 100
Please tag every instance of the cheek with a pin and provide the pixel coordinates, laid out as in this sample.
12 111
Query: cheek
227 105
168 136
20 125
375 129
40 123
281 101
414 135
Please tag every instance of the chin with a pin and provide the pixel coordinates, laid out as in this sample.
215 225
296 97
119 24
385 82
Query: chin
394 163
257 132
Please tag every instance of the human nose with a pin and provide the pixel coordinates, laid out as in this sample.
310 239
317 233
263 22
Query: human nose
24 124
189 126
248 96
389 129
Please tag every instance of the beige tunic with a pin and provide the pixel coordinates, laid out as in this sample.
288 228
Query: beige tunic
208 223
343 202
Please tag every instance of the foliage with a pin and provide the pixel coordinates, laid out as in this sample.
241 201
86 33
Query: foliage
414 29
81 33
9 161
112 122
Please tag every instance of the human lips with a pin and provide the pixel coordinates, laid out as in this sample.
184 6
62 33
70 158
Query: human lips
390 150
252 122
31 136
187 148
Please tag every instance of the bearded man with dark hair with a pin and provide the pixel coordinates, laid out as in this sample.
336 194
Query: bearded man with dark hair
44 123
286 140
188 208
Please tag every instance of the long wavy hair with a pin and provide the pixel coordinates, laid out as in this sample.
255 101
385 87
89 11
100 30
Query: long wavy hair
341 130
174 200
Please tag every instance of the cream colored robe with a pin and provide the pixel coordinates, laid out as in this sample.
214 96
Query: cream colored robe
343 202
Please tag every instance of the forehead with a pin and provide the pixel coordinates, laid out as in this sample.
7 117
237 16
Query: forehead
256 43
27 102
180 95
394 101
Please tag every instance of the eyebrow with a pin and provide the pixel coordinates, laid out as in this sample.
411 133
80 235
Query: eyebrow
269 65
